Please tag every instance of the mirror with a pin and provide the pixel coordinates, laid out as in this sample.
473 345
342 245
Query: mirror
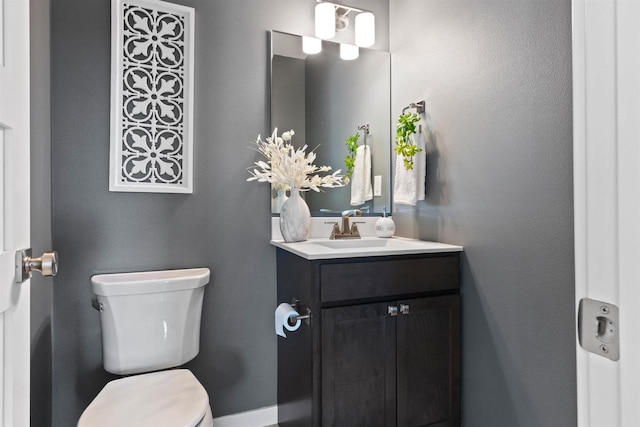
325 99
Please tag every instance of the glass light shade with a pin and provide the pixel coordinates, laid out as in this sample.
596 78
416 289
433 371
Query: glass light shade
365 29
325 21
349 51
311 45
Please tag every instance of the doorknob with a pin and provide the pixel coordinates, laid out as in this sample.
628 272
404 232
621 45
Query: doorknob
47 264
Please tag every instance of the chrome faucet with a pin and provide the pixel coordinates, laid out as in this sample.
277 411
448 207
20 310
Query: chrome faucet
347 232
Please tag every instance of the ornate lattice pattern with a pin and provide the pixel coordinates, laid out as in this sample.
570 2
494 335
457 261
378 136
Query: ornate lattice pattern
153 96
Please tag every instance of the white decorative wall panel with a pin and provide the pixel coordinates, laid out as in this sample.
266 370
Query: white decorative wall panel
151 97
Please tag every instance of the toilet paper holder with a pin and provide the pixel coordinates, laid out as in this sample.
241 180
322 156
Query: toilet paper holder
299 307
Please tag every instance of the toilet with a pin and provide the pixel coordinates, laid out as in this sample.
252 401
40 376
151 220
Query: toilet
150 324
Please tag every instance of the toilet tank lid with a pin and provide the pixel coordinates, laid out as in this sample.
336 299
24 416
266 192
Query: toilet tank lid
144 282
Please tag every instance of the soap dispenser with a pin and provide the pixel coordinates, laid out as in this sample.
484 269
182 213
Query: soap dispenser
385 227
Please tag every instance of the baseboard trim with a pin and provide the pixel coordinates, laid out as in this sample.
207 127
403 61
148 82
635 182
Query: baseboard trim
262 417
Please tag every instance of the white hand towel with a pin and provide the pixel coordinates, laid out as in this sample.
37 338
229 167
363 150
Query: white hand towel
368 188
421 166
405 185
361 190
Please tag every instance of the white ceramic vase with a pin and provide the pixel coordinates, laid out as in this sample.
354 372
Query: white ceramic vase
295 218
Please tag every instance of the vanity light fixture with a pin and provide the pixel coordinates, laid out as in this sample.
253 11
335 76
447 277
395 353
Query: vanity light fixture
311 45
331 17
365 29
325 21
349 52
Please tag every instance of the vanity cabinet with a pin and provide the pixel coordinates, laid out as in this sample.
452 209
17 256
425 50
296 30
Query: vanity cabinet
383 344
384 370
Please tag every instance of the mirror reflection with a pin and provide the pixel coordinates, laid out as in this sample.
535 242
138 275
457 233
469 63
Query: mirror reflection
328 101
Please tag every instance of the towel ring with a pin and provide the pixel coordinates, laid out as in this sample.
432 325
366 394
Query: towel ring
419 106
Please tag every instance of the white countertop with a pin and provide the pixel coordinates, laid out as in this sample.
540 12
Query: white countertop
324 248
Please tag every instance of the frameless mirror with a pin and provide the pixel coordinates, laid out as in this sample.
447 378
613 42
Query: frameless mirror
325 100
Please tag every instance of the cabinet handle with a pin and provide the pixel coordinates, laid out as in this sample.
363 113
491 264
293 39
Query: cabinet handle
392 310
404 308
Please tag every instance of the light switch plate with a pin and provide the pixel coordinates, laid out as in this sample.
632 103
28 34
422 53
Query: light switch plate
377 185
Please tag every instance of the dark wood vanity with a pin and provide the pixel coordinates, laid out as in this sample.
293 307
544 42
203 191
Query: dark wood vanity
383 344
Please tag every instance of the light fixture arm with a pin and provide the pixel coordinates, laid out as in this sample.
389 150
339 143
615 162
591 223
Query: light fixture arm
345 7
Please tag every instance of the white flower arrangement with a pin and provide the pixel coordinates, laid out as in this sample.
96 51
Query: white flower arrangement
287 167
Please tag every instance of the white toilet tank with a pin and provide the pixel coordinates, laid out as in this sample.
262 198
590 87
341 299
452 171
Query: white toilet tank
149 320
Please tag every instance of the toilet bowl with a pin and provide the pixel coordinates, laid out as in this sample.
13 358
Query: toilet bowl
150 321
167 398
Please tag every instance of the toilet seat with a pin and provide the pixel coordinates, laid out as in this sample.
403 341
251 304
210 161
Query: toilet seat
167 398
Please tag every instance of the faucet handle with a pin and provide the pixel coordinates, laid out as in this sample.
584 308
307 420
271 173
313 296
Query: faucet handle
354 228
335 230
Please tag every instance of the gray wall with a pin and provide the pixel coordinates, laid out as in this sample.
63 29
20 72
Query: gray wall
496 77
41 288
224 225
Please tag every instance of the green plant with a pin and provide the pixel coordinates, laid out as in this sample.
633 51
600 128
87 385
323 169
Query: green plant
405 145
350 158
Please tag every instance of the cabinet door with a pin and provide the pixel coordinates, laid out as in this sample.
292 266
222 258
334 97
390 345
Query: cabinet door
429 362
358 366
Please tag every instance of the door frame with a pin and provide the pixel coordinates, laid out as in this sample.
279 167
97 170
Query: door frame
15 212
606 107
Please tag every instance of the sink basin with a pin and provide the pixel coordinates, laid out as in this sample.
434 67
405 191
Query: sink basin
323 248
353 243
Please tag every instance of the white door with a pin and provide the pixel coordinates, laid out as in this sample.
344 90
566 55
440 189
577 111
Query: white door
606 74
14 210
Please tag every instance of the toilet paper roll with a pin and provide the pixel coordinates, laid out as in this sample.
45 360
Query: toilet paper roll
283 314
